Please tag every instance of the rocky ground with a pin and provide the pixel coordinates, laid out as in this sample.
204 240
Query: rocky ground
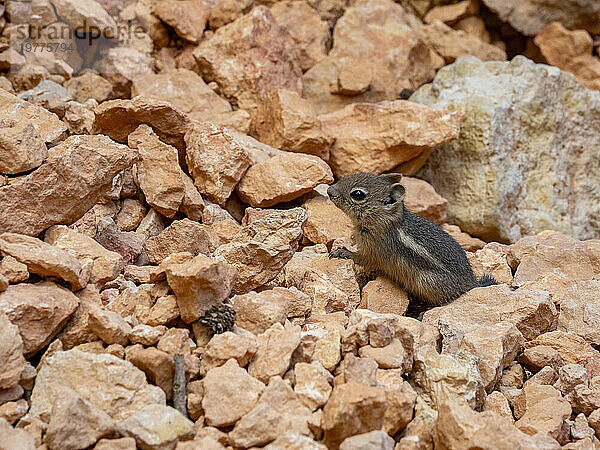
147 179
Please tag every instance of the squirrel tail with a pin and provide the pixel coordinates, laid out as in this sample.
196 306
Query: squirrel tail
487 280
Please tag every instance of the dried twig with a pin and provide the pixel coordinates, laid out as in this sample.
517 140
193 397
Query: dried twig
179 391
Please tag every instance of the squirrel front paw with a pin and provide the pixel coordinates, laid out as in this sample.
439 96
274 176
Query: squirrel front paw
342 253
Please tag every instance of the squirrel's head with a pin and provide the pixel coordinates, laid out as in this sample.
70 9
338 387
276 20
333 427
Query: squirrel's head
369 200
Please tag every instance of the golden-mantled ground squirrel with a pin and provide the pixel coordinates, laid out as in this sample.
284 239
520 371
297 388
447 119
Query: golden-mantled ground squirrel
410 250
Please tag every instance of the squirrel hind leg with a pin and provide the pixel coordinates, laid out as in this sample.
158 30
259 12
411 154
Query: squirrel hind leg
486 280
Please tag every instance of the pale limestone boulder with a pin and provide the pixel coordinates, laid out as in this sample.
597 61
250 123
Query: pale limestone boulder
85 15
229 394
157 427
497 402
21 147
288 122
450 14
146 335
119 118
570 51
262 248
377 34
199 284
283 178
59 191
216 160
310 34
112 384
529 186
274 351
572 348
121 65
40 311
352 409
492 260
77 423
260 62
127 443
106 264
11 353
545 416
185 90
295 441
529 17
379 137
158 173
278 411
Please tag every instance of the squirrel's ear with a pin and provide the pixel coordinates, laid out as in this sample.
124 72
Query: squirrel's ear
393 177
397 192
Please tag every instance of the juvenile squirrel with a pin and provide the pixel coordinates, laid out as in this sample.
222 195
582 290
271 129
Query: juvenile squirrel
410 250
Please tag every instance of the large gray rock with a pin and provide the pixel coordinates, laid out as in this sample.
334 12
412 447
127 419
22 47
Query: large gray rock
524 157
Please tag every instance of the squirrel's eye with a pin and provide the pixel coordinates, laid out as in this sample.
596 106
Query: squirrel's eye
357 195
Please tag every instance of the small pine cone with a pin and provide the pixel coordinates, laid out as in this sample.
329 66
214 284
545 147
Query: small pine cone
219 318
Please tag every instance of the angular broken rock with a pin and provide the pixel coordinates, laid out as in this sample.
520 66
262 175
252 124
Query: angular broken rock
286 121
229 394
283 178
274 352
77 423
400 400
531 311
157 427
112 384
384 296
15 438
256 312
119 118
156 364
77 330
377 34
458 426
47 124
11 353
88 86
60 191
187 17
106 265
451 44
263 247
310 34
377 137
225 346
21 147
109 326
422 199
312 384
545 416
216 160
352 409
199 284
86 16
44 259
443 378
277 412
374 439
259 63
39 310
13 270
185 90
158 172
570 51
579 311
325 222
181 236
